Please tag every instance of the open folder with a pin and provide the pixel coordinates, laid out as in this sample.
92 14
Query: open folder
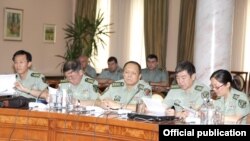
7 84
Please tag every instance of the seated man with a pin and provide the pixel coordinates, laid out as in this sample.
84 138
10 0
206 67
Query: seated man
156 77
126 92
87 69
189 93
110 74
82 87
30 85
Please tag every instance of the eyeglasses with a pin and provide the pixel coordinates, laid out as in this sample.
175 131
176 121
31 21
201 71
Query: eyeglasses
216 88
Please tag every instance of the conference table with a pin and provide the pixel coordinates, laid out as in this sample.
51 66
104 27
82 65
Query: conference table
31 125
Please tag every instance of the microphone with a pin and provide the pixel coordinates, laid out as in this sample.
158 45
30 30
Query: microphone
40 94
130 99
36 104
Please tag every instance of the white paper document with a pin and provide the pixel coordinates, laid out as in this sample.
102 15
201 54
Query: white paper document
7 84
154 106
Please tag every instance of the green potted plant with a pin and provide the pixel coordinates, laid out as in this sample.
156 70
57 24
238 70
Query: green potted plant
84 36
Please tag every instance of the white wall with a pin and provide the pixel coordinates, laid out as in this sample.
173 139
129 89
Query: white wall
37 13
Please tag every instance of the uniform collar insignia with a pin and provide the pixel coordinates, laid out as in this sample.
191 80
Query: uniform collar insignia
236 96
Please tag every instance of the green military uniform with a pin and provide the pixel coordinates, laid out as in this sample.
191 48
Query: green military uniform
157 75
88 86
177 97
33 81
118 91
236 104
90 71
106 74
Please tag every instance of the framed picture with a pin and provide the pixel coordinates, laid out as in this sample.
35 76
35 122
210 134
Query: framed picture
49 31
13 24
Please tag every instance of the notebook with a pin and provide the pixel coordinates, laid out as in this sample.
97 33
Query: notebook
150 117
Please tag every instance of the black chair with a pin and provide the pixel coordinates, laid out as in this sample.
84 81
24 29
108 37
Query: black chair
240 80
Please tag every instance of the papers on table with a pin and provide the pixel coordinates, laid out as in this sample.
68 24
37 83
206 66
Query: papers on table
154 106
7 84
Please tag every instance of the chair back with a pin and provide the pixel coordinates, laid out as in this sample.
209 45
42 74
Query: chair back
240 80
171 77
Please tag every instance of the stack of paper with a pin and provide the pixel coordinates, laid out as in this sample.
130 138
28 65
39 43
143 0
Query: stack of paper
154 106
7 84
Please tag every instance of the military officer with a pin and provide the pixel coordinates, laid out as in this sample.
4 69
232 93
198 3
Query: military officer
82 87
29 84
189 93
87 69
232 103
110 74
156 77
126 92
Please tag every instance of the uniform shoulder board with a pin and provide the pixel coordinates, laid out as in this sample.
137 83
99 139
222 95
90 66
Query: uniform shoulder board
120 70
35 74
64 81
236 96
141 86
205 94
90 80
175 87
147 91
106 69
242 103
198 87
117 84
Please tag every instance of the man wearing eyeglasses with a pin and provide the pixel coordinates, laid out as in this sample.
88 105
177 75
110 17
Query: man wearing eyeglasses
188 94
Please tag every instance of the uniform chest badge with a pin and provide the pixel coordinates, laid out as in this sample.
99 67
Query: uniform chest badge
242 103
117 98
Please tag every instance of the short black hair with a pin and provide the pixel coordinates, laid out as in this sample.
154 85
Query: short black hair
133 62
152 56
22 52
73 65
185 66
112 58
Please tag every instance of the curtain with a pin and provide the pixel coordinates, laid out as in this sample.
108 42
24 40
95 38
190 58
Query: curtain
86 8
186 30
155 28
127 39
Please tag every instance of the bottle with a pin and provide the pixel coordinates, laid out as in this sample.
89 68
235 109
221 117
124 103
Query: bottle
59 96
210 112
69 99
204 112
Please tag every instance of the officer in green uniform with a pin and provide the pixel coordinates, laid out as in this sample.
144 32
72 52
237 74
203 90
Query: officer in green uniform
193 98
81 86
118 92
189 93
33 82
110 74
30 85
125 93
233 104
87 69
156 77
